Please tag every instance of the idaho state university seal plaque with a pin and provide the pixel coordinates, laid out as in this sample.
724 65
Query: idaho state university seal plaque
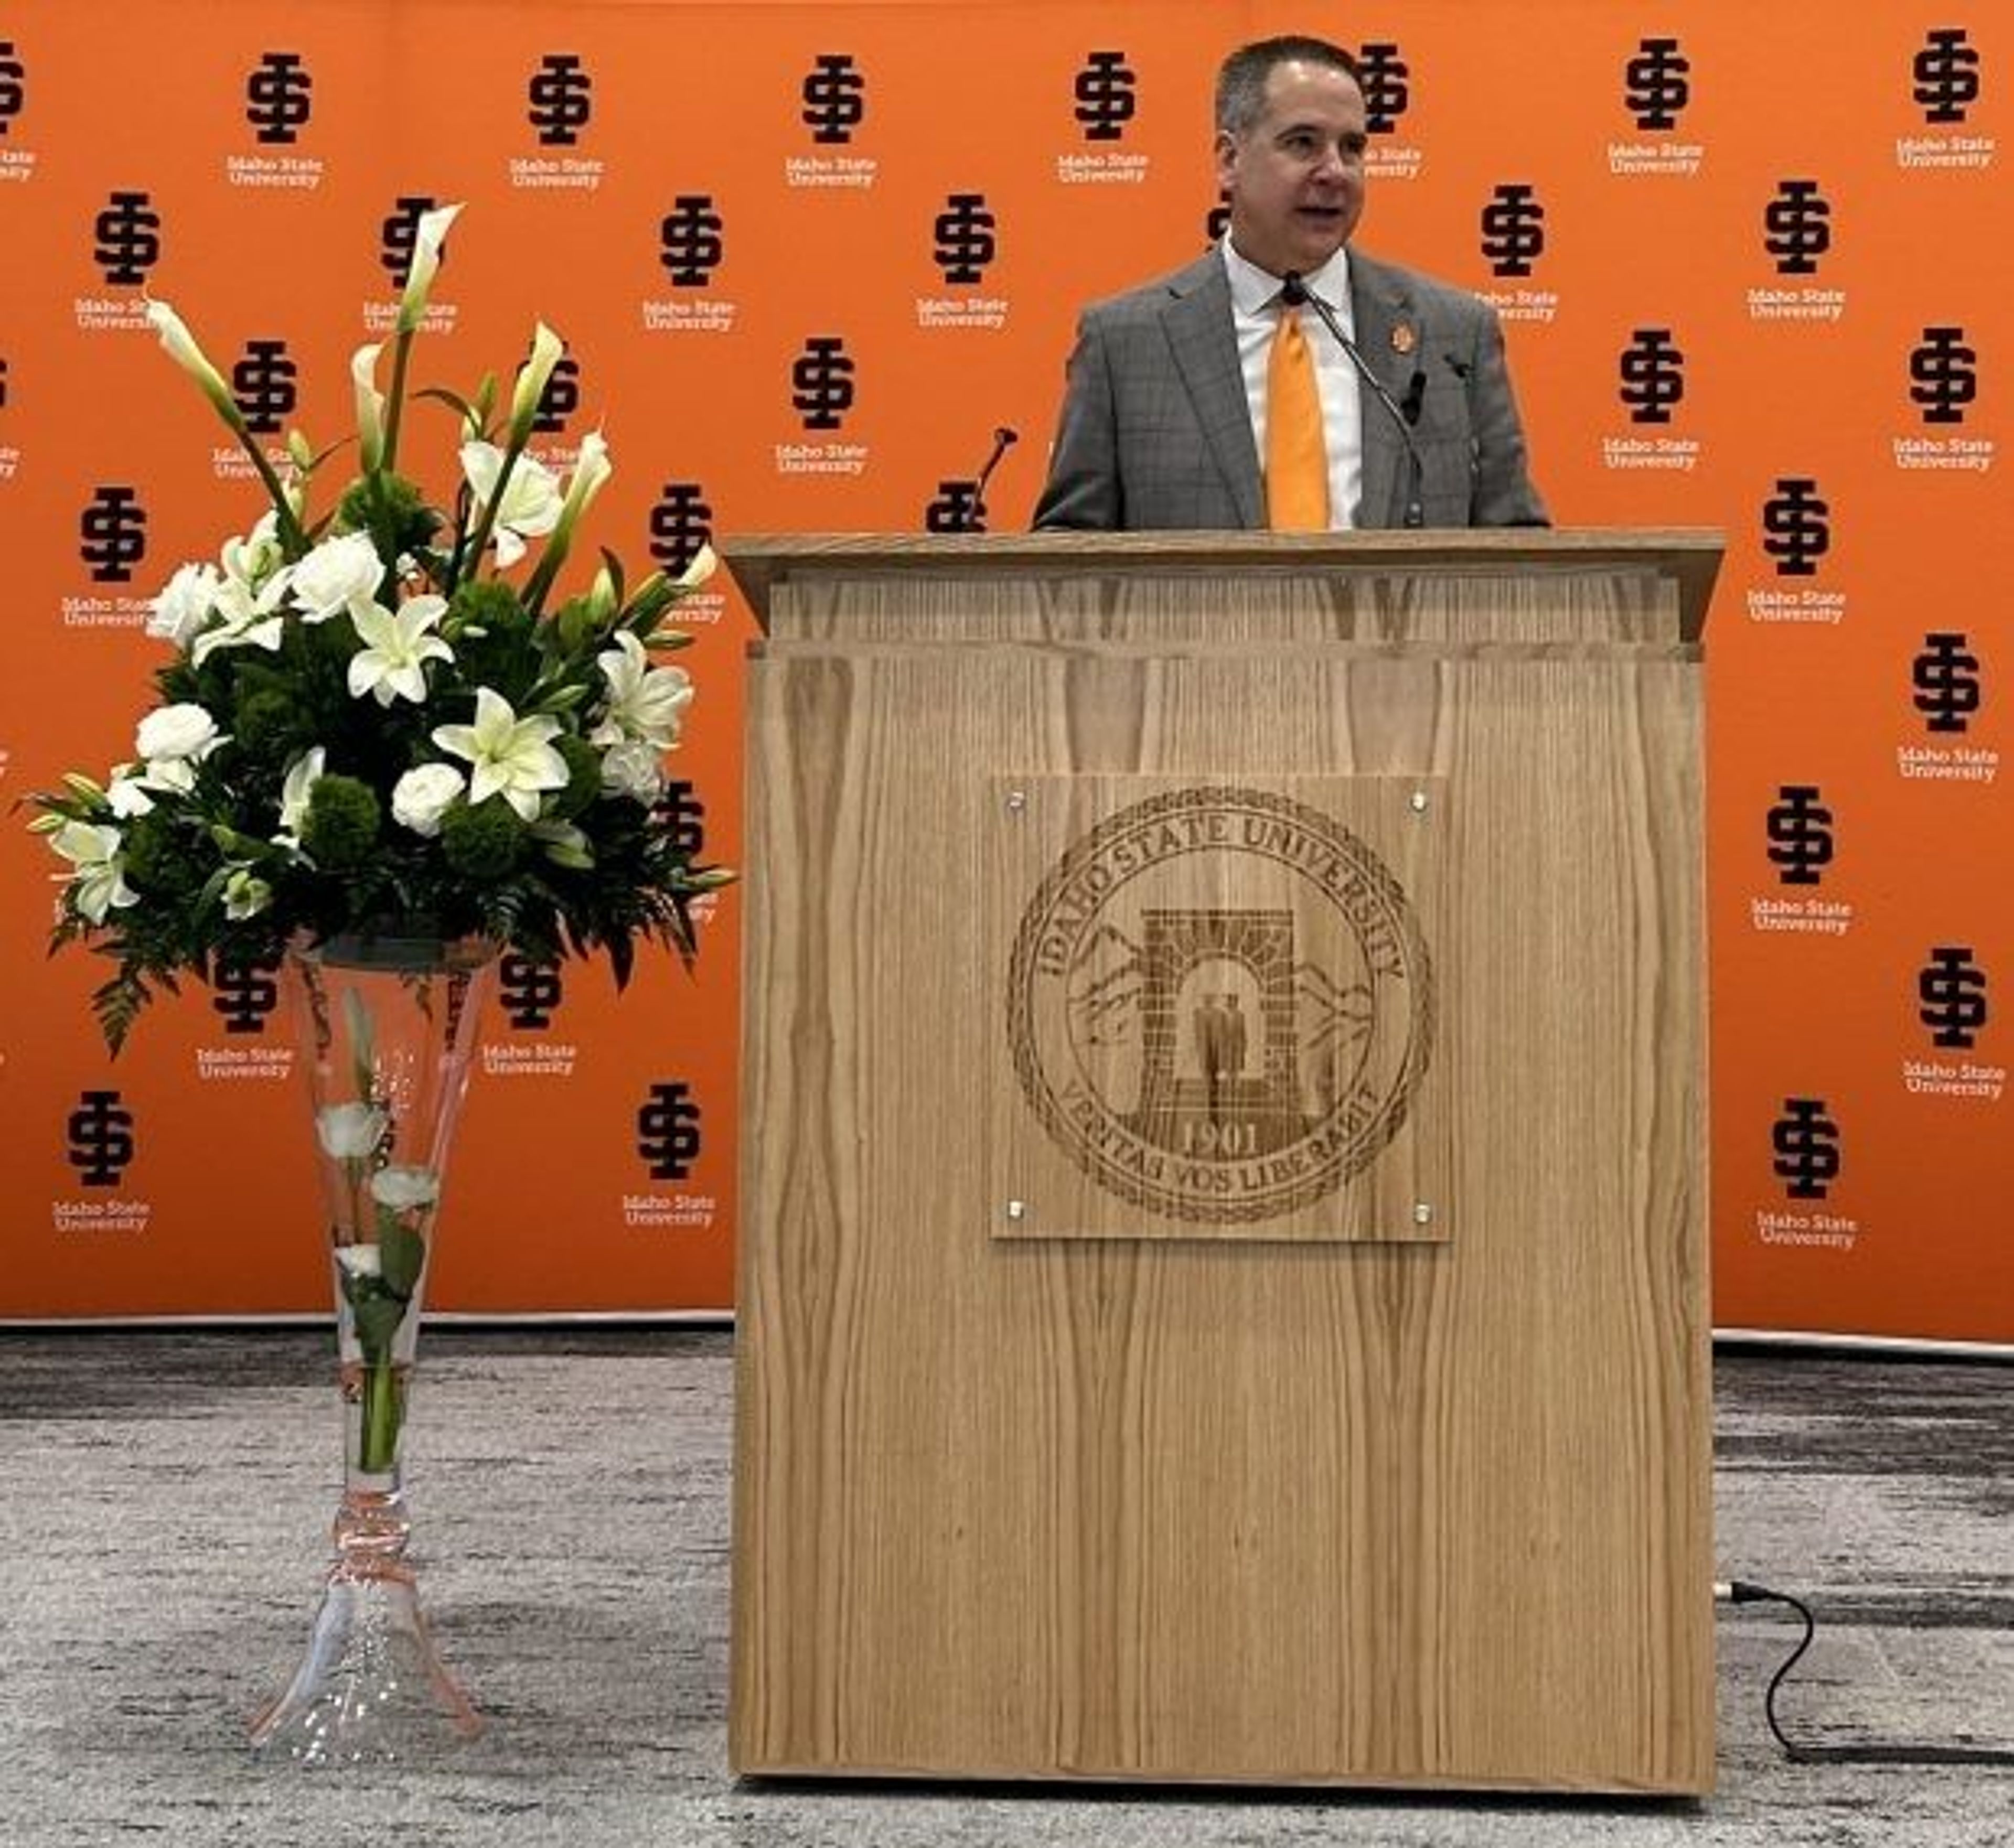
1221 1008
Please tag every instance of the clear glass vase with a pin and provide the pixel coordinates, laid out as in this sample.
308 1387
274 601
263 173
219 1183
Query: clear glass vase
385 1025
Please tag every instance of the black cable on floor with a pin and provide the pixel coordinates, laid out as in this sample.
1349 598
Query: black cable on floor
1868 1752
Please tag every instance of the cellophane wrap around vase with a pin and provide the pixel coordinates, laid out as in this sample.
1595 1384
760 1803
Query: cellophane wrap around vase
386 1027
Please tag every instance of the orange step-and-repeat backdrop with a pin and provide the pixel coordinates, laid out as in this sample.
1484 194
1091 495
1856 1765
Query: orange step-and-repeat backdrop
1755 269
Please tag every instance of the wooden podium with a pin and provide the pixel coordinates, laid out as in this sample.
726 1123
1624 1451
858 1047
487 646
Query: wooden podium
1223 1276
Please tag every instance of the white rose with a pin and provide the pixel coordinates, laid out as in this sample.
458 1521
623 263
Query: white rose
183 606
422 796
336 571
349 1132
399 1189
631 769
184 732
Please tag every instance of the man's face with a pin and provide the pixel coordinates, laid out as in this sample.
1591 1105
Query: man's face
1295 178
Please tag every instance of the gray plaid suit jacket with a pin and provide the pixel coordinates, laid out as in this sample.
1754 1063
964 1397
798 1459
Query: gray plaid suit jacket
1156 432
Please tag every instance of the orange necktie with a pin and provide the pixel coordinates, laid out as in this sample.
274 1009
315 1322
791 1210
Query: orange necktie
1296 453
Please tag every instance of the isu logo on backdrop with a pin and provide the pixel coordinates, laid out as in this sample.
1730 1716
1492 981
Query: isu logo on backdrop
559 399
1106 89
1943 388
127 238
1385 79
1104 100
1799 843
262 386
834 107
667 1132
1513 225
559 100
1657 91
13 87
1945 74
1953 1010
1796 227
965 245
559 104
102 1141
1946 78
691 241
822 387
1797 532
1650 384
279 102
1806 1142
112 535
1951 995
681 523
1945 676
1657 85
684 817
1651 375
279 98
10 457
529 994
244 992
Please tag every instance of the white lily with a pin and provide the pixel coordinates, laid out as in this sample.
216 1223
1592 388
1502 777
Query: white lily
302 775
252 560
370 404
349 1132
422 796
511 756
401 1189
392 663
530 506
181 346
184 606
426 242
98 885
245 618
245 895
644 702
546 348
335 574
127 794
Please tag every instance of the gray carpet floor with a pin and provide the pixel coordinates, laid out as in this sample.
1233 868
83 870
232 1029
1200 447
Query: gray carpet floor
168 1496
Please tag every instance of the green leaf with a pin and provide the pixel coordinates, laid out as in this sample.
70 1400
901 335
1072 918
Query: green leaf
377 1319
402 1256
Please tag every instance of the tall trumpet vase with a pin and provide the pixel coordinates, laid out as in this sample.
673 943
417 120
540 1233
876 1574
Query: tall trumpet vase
386 1027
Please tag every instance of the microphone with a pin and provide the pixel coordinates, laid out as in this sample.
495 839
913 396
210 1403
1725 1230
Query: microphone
1293 291
1003 440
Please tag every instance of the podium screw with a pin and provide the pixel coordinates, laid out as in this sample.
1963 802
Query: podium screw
1017 1209
1017 800
1417 801
1423 1214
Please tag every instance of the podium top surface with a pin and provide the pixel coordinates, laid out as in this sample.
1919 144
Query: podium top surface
762 563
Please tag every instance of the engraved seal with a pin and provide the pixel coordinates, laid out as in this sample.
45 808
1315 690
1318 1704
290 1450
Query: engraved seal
1221 1005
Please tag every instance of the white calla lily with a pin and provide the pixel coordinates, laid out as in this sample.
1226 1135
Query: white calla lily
360 1260
546 349
392 663
511 756
370 404
302 775
431 234
181 346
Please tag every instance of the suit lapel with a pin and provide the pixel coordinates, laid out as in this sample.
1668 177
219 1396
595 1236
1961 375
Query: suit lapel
1204 343
1381 306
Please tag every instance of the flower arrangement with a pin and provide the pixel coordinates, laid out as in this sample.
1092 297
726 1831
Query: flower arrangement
367 725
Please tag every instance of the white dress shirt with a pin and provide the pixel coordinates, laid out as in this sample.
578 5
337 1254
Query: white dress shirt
1254 301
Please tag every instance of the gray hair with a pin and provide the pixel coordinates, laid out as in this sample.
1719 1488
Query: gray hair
1242 79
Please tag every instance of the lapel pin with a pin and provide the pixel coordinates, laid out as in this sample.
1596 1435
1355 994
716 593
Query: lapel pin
1402 338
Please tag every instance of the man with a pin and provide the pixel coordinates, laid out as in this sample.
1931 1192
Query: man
1219 398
